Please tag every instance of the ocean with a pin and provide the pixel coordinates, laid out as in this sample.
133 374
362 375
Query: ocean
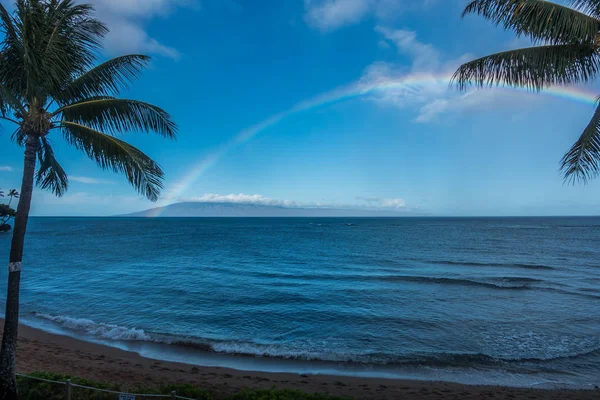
510 301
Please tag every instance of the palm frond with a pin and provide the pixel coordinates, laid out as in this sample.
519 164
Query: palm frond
108 152
49 42
533 68
8 101
117 115
7 25
50 175
11 54
73 38
106 79
19 137
582 161
540 20
590 7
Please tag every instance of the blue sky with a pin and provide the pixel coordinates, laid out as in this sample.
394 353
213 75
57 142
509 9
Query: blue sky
223 66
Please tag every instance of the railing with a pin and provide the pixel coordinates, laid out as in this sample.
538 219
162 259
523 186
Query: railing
69 386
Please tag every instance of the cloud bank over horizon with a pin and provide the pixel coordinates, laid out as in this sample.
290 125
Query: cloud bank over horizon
366 203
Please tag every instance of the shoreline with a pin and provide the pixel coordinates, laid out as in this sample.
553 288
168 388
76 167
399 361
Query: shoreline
169 350
40 351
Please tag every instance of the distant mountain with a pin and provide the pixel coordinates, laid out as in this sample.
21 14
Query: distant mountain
206 209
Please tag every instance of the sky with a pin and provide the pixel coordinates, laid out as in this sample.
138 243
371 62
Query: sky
328 103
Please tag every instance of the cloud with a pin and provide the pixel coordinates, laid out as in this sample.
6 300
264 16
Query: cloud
382 203
453 103
85 203
127 20
329 15
90 181
424 56
426 76
255 199
372 203
5 168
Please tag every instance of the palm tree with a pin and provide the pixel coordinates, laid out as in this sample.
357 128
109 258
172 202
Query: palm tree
565 51
12 193
1 193
50 84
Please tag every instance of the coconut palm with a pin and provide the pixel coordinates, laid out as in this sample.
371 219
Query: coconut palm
12 193
51 87
565 51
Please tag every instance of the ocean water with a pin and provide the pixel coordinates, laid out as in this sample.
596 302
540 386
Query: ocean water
513 301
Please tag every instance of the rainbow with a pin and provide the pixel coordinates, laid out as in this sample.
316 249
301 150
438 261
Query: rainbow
410 84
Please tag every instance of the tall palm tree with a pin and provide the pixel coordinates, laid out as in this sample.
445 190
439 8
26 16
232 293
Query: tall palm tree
12 193
51 86
565 51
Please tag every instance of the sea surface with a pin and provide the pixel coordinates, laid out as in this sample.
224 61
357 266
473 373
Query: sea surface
511 301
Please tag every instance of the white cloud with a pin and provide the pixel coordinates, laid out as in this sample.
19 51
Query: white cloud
424 80
458 103
85 203
90 181
5 168
241 198
127 21
382 203
329 15
370 203
424 56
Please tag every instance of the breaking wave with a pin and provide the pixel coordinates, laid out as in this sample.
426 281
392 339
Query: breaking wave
288 351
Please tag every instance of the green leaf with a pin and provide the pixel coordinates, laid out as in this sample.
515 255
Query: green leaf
108 152
533 68
8 101
106 79
47 42
50 176
118 115
540 20
590 7
582 161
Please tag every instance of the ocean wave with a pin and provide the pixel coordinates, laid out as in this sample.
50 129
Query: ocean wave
500 265
493 283
96 329
442 359
290 352
507 282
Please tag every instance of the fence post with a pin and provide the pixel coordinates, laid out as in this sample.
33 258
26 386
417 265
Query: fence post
68 386
173 395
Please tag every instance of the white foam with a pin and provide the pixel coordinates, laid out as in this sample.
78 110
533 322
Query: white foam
98 330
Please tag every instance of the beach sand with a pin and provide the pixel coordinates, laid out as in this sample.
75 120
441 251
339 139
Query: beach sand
41 351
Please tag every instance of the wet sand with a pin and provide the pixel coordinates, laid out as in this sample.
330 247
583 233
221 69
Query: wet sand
41 351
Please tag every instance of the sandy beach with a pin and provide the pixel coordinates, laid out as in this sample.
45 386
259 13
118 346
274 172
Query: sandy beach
42 351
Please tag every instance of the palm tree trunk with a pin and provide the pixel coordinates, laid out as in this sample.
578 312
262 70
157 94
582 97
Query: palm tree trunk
8 382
